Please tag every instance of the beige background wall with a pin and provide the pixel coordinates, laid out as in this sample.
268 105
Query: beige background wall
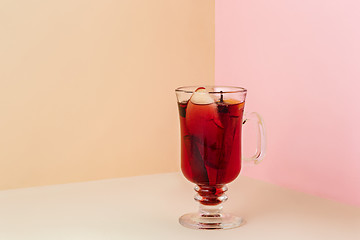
87 86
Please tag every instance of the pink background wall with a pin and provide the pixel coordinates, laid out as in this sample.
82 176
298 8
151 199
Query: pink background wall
300 61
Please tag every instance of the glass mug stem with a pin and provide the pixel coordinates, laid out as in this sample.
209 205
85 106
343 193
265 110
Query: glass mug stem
210 214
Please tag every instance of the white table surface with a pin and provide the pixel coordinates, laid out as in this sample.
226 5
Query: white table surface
148 207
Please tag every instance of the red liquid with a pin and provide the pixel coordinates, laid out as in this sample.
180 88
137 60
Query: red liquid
211 142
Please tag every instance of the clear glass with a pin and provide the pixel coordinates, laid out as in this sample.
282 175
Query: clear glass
211 119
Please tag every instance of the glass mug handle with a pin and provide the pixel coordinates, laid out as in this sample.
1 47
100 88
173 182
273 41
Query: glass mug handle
261 138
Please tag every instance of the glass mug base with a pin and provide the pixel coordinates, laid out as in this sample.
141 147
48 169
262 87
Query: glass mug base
218 221
210 215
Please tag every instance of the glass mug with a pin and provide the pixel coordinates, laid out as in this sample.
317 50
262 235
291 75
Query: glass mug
211 119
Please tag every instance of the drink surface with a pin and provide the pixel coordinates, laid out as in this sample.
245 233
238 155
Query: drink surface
211 141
